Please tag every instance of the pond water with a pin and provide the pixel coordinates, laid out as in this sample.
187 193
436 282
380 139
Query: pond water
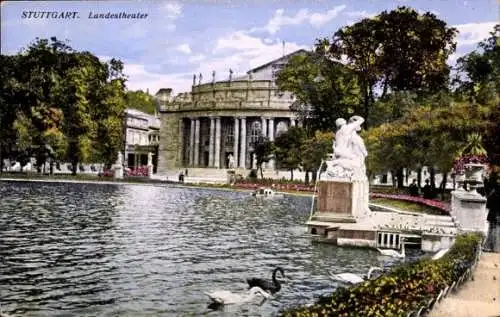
135 250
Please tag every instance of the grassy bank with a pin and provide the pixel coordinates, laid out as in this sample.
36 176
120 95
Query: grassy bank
406 206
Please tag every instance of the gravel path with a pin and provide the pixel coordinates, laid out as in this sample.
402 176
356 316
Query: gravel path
476 298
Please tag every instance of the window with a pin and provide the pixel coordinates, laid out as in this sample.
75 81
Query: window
255 131
229 134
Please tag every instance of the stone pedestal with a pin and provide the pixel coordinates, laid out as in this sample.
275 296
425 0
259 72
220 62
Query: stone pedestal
469 210
343 199
118 172
231 176
150 171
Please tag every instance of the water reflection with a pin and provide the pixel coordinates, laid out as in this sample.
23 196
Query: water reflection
131 250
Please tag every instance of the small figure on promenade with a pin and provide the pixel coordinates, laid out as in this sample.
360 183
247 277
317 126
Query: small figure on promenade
194 79
413 189
200 77
427 190
230 74
213 77
492 243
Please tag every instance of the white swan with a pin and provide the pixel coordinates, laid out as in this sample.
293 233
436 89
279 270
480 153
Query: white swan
228 298
440 254
352 278
394 253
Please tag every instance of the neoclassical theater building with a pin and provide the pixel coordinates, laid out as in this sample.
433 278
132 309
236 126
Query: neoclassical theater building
216 119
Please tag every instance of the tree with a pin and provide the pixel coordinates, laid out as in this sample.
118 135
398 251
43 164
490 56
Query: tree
287 149
10 101
263 150
426 136
399 50
479 81
314 150
61 104
140 100
479 71
324 90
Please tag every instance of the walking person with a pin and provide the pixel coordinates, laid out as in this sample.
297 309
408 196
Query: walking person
492 243
413 189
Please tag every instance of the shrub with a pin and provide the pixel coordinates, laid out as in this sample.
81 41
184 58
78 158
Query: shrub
252 175
403 289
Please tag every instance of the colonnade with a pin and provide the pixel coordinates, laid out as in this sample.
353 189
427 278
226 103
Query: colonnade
240 142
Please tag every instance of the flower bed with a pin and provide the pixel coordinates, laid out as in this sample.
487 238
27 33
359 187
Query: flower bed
139 171
428 202
407 288
460 163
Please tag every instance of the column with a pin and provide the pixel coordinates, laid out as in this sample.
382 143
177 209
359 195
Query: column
211 144
292 122
264 134
181 142
264 127
191 142
236 130
270 133
217 143
197 142
243 142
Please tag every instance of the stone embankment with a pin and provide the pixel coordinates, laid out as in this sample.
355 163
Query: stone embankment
479 297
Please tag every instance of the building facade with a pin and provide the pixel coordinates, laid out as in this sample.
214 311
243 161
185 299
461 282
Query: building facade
204 127
142 136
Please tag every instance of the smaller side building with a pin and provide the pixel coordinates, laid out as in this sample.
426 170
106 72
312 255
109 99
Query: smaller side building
142 136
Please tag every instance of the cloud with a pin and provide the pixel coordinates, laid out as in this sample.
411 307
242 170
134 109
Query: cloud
173 10
360 14
237 50
472 33
184 48
452 59
250 51
196 58
316 19
436 13
140 79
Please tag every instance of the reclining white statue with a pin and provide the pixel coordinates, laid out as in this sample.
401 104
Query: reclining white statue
349 152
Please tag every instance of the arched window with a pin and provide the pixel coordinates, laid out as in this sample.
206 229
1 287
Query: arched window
281 127
255 131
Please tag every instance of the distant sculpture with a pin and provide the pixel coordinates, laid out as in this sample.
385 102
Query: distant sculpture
250 77
119 160
119 166
230 74
200 77
230 159
194 79
349 151
213 76
150 164
150 159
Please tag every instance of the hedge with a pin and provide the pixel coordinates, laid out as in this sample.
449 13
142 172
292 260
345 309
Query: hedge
405 290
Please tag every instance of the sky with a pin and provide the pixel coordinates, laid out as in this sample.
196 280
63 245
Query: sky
180 38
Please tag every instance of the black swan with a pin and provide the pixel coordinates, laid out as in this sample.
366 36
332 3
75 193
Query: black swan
272 287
